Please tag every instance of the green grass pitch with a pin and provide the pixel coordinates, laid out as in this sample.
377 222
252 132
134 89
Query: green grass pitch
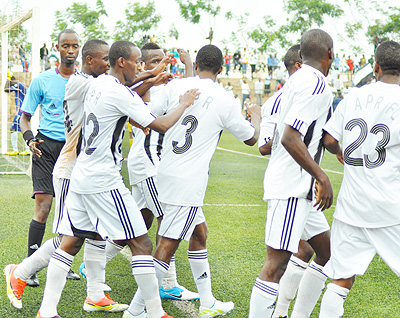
235 216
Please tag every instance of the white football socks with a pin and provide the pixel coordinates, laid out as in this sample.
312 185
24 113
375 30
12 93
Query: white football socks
145 276
288 285
332 301
59 265
201 273
170 280
310 289
14 140
38 260
95 262
112 249
262 299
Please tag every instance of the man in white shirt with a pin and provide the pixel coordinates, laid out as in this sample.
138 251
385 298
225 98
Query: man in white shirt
366 219
98 203
296 152
183 172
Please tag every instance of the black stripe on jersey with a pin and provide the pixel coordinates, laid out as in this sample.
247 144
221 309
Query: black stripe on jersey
123 214
79 144
288 223
117 133
147 147
160 144
318 156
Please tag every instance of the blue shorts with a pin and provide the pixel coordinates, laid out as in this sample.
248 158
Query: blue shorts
16 121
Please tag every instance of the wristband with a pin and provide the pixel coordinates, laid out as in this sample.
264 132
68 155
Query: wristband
28 136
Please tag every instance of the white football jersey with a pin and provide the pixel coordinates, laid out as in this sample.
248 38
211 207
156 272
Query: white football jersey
305 106
145 153
190 143
269 117
75 91
368 123
107 106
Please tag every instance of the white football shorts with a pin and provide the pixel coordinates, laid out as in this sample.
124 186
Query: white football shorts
179 221
61 187
286 220
353 248
112 214
145 195
316 224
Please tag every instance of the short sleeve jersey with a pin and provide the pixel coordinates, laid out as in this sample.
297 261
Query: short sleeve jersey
145 153
269 116
48 90
190 143
305 106
20 92
75 92
368 123
107 106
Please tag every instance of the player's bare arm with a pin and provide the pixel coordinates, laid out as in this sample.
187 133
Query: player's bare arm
155 71
162 78
163 123
185 59
29 138
254 111
333 146
295 146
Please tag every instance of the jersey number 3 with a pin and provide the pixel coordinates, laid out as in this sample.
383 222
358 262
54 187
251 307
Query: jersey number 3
380 147
190 119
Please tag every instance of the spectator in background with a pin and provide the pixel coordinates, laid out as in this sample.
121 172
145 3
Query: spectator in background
267 84
270 62
338 84
236 60
262 61
350 64
336 61
343 64
363 61
334 75
258 89
227 59
44 52
245 61
275 62
229 87
253 63
22 54
245 90
337 99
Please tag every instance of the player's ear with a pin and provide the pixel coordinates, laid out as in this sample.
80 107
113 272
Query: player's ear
377 69
121 62
89 60
220 70
300 55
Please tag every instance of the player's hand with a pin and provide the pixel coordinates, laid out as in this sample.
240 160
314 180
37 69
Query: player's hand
163 78
188 98
32 146
184 56
162 66
323 194
253 110
339 157
146 130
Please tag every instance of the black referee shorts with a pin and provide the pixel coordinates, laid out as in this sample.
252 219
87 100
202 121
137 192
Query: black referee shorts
42 168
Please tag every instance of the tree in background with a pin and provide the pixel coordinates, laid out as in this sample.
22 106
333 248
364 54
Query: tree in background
82 19
375 30
139 20
191 11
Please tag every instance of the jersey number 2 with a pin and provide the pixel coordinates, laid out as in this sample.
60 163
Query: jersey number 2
86 143
188 136
380 147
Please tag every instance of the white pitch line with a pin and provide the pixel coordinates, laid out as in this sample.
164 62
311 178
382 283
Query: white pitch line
267 158
221 204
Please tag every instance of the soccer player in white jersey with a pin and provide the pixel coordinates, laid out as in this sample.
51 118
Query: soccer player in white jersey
95 62
143 160
366 219
316 230
183 172
296 152
98 201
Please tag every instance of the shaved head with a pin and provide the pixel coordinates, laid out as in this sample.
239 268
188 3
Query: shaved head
387 56
292 57
314 44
